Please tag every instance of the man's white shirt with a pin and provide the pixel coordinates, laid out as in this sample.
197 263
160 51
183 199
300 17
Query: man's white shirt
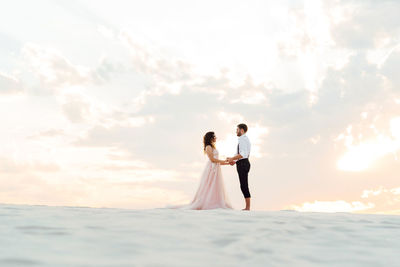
244 146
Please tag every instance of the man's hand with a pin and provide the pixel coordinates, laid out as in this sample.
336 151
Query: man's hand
232 163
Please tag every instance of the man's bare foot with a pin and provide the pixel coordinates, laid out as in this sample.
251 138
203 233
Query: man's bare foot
247 204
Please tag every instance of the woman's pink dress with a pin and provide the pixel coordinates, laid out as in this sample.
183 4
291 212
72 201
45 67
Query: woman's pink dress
211 191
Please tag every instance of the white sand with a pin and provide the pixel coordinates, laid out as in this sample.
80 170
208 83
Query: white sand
78 236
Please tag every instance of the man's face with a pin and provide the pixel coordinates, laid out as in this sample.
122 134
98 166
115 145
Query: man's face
238 131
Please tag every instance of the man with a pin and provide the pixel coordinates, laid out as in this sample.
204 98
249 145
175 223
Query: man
241 159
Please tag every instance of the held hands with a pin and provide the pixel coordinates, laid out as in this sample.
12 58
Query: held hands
227 161
230 161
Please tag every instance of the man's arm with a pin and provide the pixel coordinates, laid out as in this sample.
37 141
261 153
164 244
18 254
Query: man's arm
242 152
236 157
232 160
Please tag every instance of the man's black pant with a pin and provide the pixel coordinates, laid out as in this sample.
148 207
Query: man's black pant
243 168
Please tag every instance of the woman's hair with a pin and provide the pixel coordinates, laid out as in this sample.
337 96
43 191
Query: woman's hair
207 140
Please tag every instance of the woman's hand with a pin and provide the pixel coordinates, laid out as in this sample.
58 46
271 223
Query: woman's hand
224 162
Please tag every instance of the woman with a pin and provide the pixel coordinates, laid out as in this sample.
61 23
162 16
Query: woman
211 191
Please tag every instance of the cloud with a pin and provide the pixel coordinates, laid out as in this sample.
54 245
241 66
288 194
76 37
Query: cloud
307 30
9 85
77 107
53 68
332 206
379 200
8 166
50 133
389 69
365 23
106 32
167 73
55 71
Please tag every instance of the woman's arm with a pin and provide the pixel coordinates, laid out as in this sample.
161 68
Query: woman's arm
211 156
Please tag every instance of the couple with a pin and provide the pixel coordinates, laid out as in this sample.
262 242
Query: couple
211 191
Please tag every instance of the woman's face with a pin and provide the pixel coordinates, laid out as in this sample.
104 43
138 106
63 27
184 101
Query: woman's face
214 139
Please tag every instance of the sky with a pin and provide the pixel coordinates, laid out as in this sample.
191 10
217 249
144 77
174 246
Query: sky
105 103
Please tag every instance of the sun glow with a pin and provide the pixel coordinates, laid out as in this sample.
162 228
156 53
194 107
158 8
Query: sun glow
360 157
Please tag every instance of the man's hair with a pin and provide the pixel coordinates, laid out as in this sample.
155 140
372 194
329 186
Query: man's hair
243 126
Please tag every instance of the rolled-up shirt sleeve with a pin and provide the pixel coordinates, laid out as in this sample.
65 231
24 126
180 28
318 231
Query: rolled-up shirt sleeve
244 148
